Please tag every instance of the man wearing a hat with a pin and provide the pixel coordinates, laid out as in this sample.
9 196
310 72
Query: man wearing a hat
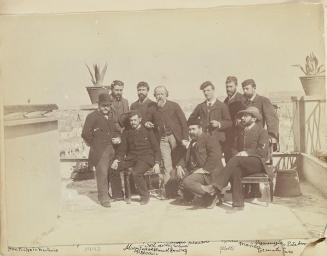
138 150
100 133
200 165
250 155
265 107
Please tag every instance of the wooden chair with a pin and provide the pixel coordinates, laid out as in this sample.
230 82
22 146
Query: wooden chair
126 186
262 178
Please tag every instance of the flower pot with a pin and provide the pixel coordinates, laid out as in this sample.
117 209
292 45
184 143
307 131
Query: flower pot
94 92
313 85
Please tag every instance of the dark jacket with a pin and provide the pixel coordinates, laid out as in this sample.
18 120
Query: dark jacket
254 141
173 116
119 108
207 154
97 133
139 144
219 112
269 115
146 108
235 104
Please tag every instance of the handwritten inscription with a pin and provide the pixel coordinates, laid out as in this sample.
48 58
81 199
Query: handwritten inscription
32 249
157 247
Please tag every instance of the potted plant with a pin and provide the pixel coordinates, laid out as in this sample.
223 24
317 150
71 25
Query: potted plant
97 81
313 82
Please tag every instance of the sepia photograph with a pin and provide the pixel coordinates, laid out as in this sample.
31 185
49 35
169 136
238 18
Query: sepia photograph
163 129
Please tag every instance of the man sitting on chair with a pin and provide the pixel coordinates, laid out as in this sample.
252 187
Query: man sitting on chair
251 147
139 150
200 166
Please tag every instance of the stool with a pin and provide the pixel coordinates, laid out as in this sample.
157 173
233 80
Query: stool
258 178
126 187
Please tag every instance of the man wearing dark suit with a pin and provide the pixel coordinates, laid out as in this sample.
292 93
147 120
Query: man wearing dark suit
201 165
99 132
140 150
170 126
119 106
234 101
213 114
266 109
144 105
251 145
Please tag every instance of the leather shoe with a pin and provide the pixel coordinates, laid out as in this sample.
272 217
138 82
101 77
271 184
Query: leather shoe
238 207
144 200
106 204
212 201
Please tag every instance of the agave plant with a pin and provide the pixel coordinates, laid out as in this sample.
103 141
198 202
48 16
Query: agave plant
97 78
312 66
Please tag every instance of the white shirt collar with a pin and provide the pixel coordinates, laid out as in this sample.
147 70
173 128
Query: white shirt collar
211 101
253 96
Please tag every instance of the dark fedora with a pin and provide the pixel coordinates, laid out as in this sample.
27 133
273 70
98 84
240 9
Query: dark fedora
194 121
104 98
252 111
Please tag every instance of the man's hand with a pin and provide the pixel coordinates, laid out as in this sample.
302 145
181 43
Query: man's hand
156 168
180 172
116 140
148 124
200 171
215 123
114 164
242 153
185 143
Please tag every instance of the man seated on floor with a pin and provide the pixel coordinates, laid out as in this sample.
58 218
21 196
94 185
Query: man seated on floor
200 166
139 149
251 144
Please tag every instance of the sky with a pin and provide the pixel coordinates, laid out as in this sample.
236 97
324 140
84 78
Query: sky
43 56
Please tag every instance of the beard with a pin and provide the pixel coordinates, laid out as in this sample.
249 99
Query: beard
118 96
141 96
161 103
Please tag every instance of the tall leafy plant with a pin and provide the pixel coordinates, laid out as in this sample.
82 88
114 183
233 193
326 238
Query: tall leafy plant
98 76
311 67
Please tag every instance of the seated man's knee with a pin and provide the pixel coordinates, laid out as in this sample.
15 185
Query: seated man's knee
187 183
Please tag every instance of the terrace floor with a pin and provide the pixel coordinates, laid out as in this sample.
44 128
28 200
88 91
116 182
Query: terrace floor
84 221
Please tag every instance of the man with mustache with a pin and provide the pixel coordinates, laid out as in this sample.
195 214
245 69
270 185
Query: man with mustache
100 133
139 150
171 128
201 165
269 119
251 152
144 104
234 102
213 114
120 107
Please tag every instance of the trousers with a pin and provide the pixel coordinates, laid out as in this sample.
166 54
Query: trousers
102 176
167 145
191 185
236 168
138 169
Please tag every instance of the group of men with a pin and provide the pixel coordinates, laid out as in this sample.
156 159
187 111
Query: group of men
157 135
